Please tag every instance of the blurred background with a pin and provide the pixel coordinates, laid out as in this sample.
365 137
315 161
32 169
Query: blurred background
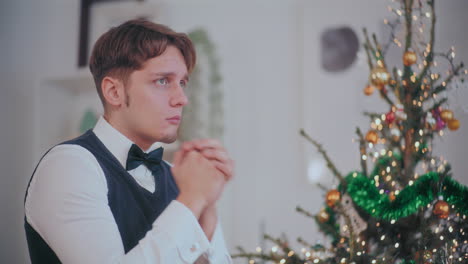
269 70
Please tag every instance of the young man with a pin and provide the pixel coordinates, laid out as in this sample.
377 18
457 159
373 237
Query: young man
100 198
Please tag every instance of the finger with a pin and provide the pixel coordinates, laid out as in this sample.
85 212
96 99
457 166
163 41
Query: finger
201 144
220 157
181 155
193 154
225 169
213 154
187 146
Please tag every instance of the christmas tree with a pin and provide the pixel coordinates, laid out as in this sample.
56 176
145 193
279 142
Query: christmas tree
408 208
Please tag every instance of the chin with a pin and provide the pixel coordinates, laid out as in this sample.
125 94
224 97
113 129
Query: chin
168 138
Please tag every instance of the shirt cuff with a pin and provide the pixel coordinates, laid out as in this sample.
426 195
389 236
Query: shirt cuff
217 252
182 227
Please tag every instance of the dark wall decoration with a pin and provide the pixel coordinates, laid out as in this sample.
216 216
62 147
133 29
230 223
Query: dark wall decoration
339 47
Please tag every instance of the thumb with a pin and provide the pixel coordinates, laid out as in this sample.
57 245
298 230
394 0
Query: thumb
178 157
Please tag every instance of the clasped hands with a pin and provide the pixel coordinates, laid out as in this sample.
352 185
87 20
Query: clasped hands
201 170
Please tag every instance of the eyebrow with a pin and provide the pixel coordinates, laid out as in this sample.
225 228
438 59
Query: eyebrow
164 74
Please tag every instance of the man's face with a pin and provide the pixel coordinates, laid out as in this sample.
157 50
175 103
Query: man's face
156 97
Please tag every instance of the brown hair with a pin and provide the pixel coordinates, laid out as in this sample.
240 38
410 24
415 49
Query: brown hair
125 48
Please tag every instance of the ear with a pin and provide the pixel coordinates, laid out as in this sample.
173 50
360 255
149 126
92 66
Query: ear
113 91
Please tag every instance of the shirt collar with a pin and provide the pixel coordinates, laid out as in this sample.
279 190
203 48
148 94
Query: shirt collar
117 143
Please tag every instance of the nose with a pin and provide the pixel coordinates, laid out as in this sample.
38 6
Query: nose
178 98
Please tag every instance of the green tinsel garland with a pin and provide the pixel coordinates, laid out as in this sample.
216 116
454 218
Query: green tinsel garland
364 193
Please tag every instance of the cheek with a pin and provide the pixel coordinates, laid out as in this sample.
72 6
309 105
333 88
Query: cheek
144 100
149 102
151 107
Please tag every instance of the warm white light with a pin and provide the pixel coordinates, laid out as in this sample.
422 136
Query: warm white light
315 170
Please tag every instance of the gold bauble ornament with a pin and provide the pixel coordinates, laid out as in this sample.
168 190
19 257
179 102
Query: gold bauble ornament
379 76
446 115
323 216
453 124
333 196
392 196
369 90
441 209
409 58
372 136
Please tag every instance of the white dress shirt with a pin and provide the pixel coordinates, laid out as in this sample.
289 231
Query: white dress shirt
67 206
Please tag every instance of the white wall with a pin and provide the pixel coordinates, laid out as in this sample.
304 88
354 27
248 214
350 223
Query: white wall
35 38
273 87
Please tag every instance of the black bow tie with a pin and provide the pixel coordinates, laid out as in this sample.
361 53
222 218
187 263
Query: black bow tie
136 157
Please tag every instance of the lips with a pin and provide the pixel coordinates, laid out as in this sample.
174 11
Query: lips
174 120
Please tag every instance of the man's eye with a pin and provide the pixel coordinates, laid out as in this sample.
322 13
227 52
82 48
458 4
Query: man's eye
183 84
162 81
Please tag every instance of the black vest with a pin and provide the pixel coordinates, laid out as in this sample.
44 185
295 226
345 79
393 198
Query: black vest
134 208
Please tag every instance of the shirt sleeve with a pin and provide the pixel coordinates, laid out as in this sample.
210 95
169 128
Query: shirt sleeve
217 252
67 205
